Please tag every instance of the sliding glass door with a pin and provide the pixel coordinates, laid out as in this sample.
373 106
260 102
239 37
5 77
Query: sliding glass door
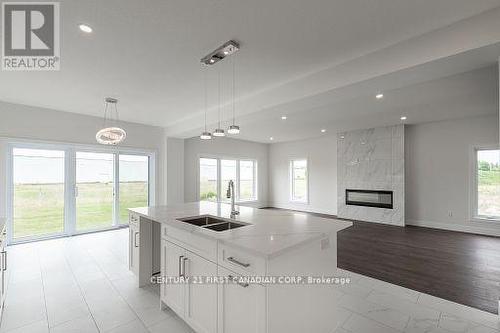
37 193
66 191
133 185
94 191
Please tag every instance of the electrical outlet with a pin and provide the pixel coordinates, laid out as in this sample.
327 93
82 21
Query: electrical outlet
325 243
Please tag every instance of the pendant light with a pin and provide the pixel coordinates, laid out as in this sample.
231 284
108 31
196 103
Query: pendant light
110 134
233 129
219 132
206 135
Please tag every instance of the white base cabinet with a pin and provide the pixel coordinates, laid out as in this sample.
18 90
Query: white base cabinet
195 303
237 307
241 306
141 248
3 268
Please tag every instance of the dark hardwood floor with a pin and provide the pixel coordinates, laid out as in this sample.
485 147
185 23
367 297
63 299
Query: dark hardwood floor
460 267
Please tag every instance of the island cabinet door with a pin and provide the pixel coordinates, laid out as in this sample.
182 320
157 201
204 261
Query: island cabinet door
242 307
173 292
201 297
134 248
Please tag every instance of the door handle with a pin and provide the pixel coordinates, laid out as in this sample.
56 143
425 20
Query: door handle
184 266
135 239
180 266
244 285
4 260
237 262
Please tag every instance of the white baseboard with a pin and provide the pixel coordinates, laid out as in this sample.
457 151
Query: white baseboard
472 227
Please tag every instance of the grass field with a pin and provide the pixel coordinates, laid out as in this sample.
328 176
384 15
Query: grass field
39 208
489 193
208 190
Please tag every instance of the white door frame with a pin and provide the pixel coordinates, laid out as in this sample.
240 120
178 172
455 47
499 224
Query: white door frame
70 182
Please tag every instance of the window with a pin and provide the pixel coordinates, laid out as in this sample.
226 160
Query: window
216 173
487 184
208 179
298 180
227 173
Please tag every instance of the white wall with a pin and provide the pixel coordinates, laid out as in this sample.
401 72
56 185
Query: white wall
174 164
321 154
437 172
194 148
32 123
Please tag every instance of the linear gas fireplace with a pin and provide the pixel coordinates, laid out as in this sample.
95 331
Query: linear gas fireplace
369 198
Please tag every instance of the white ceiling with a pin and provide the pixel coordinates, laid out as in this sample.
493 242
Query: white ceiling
146 53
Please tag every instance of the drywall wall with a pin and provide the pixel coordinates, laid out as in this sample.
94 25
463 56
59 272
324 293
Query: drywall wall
38 124
438 157
174 165
195 148
321 154
372 159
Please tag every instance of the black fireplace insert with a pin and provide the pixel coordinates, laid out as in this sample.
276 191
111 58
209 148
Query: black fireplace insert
369 198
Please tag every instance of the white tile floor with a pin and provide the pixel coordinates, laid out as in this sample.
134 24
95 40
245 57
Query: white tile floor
82 284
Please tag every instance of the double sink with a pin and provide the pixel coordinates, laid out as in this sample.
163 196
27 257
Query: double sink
213 223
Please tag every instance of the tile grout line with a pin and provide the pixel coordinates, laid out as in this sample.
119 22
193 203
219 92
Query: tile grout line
81 291
119 294
43 290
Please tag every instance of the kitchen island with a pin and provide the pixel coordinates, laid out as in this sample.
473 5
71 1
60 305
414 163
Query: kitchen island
197 245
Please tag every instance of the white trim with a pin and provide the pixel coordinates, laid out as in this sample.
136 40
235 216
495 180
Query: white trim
70 149
469 228
473 184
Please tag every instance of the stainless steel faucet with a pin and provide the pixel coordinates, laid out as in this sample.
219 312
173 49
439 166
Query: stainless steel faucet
230 194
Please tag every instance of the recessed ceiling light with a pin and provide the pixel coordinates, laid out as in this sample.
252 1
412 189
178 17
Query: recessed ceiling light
283 117
379 96
271 138
226 52
323 130
85 28
212 61
403 118
342 136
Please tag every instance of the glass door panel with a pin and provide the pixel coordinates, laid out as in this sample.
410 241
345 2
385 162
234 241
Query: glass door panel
38 193
94 191
134 184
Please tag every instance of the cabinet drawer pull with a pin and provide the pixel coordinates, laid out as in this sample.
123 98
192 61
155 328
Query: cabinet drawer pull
135 239
4 259
244 285
237 262
181 274
184 266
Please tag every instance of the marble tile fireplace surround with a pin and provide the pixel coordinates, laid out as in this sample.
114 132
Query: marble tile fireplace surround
371 175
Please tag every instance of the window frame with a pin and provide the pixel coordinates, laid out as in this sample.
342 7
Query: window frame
70 150
220 190
291 181
474 183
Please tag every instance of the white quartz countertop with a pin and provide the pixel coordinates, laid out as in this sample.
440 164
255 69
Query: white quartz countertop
271 232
